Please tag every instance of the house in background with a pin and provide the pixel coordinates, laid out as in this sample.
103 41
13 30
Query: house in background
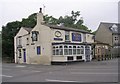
21 42
109 33
102 51
46 43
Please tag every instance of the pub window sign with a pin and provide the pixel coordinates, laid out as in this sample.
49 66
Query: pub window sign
35 35
76 37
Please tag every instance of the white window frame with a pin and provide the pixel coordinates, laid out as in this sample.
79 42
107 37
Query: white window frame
19 39
57 47
67 34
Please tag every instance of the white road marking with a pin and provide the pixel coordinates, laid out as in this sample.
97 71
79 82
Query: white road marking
93 69
35 71
20 66
49 80
31 70
6 76
94 73
6 69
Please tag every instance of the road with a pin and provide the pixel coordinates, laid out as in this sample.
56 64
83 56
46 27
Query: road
95 71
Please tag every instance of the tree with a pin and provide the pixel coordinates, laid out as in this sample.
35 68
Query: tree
8 33
30 21
74 20
50 20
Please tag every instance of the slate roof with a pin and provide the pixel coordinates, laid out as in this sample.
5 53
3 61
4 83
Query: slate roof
61 28
67 28
109 26
27 29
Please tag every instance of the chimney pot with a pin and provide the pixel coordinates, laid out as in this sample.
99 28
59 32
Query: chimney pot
40 10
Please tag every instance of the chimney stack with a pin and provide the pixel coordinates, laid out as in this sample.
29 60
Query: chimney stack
40 17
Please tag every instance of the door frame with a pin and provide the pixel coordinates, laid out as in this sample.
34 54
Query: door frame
24 55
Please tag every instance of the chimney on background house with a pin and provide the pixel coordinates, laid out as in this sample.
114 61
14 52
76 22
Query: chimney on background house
40 17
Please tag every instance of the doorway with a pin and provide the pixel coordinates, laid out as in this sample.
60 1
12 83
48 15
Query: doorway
24 55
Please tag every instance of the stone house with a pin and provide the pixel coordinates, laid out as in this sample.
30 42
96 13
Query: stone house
109 33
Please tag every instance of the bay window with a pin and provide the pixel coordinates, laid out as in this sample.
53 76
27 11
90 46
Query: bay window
68 50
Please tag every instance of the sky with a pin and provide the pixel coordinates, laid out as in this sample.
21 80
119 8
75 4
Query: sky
92 11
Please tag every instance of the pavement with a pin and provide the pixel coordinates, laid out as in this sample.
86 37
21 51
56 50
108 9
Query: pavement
80 72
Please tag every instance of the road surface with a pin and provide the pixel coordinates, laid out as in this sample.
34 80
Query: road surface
95 71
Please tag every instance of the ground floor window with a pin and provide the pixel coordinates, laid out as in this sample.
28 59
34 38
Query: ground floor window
68 50
38 50
57 50
20 54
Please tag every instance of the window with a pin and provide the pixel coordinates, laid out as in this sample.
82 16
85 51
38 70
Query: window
38 50
19 40
82 51
74 50
116 38
78 50
65 50
58 50
19 53
70 50
34 35
61 50
53 52
67 36
82 47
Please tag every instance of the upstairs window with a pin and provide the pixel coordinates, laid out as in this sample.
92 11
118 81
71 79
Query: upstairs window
35 35
67 36
116 38
19 40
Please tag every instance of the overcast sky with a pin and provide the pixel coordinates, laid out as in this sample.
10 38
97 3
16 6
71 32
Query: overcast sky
92 11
